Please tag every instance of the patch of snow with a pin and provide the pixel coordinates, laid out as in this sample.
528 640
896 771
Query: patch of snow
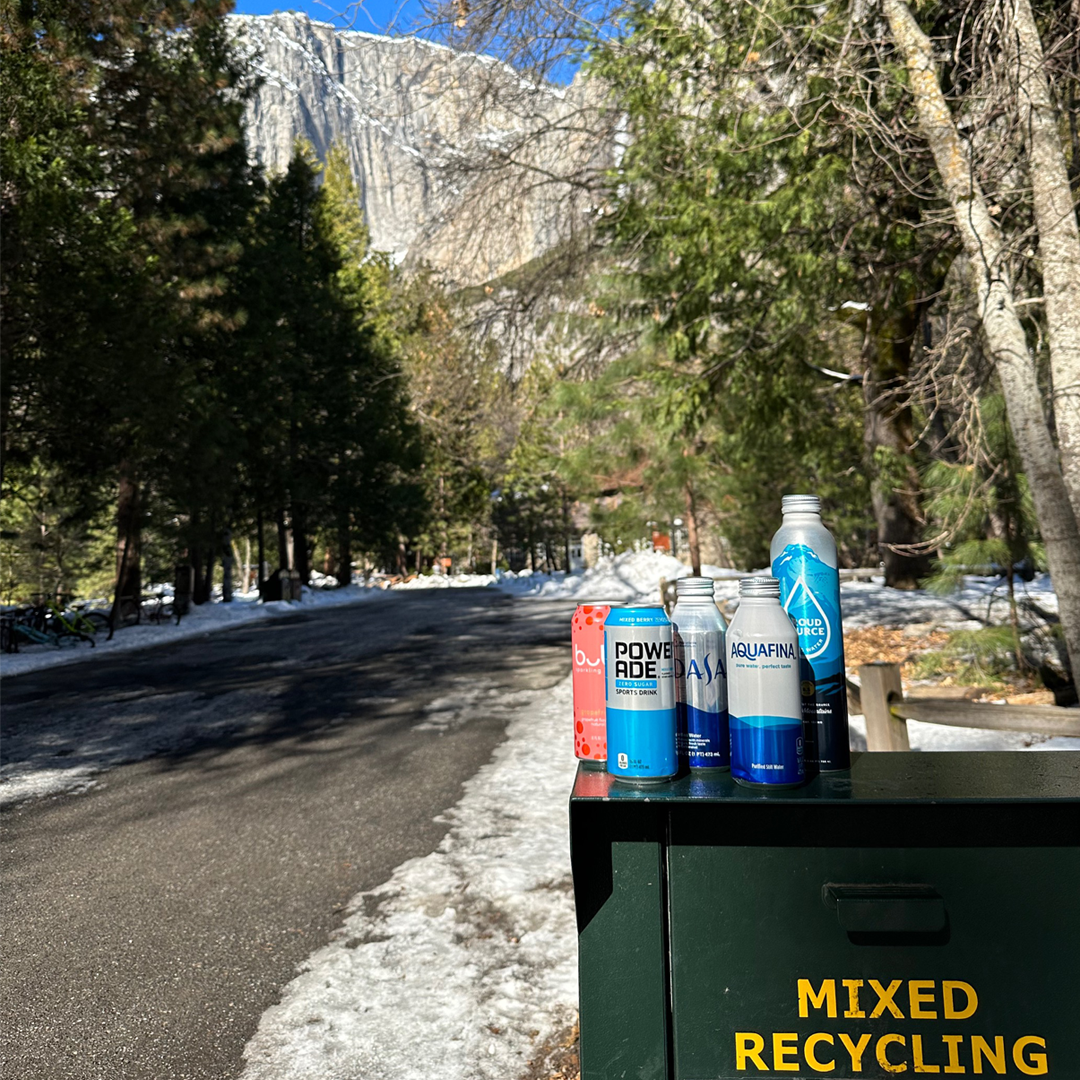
465 961
633 575
978 602
446 581
937 737
202 619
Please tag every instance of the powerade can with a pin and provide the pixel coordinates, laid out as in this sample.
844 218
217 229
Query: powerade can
803 556
697 630
764 701
590 722
639 663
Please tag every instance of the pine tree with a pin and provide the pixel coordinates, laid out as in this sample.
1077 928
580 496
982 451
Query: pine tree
134 111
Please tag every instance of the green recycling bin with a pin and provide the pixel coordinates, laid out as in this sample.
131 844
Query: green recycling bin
919 915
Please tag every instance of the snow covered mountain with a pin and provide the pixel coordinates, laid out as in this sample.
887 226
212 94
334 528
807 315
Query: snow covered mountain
458 159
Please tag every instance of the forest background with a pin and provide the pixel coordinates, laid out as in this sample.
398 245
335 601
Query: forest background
830 248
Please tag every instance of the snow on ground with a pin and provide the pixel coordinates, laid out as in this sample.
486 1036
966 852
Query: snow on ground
465 961
936 737
203 619
978 602
636 575
633 575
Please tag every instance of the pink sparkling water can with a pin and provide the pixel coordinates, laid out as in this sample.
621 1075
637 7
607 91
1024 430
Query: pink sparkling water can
590 724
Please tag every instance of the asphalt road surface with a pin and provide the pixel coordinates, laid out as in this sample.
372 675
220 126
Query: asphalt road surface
149 921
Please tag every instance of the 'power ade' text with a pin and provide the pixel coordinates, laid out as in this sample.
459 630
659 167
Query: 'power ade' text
763 650
894 1052
640 659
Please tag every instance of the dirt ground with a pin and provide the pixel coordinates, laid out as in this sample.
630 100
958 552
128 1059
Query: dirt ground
557 1059
873 644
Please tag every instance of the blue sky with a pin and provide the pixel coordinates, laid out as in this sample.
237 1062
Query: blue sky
386 16
376 16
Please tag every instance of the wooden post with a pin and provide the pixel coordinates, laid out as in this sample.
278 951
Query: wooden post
884 731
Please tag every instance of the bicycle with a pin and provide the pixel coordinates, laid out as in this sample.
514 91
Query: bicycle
30 625
158 608
73 621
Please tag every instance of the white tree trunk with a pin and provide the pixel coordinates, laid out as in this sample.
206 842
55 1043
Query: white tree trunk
1004 332
1059 237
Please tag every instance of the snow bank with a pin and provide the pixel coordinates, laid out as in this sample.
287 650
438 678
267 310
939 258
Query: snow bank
203 619
633 575
978 602
464 962
447 581
938 737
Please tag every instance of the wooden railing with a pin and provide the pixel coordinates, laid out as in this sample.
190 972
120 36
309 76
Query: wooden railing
880 698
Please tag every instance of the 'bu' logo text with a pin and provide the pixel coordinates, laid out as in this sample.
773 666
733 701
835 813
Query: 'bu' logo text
581 660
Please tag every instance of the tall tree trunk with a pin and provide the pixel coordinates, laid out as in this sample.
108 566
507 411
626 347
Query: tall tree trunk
199 591
128 537
301 562
1059 237
284 541
444 536
261 553
343 571
208 579
888 437
226 567
1001 325
114 613
692 540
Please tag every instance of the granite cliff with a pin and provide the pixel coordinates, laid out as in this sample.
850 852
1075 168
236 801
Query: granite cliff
460 161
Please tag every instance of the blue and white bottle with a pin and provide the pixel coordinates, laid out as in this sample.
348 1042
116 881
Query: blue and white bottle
764 706
803 557
697 629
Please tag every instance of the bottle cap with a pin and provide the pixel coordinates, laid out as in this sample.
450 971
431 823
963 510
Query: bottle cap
759 586
694 586
801 504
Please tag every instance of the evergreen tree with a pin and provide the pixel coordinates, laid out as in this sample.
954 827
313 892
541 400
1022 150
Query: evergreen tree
329 446
459 397
130 113
374 487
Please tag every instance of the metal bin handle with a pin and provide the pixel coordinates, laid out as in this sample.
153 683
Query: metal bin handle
886 909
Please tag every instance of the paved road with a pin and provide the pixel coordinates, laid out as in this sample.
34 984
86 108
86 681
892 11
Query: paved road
148 922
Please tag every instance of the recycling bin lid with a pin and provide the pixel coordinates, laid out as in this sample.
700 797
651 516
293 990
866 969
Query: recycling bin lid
916 777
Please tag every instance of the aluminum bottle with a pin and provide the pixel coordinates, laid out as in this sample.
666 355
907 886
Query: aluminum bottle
639 669
803 557
590 725
763 689
697 630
